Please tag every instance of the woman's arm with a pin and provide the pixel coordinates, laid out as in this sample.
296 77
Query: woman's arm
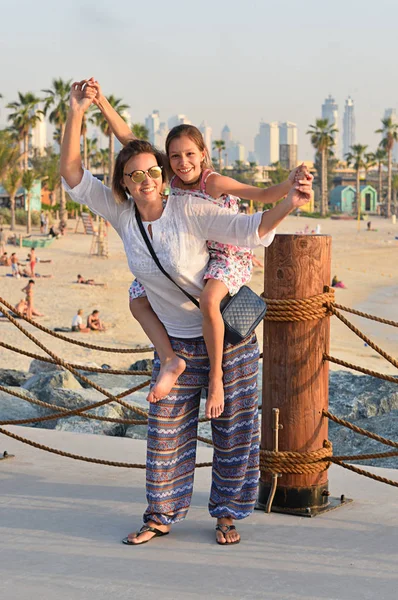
217 185
71 161
119 127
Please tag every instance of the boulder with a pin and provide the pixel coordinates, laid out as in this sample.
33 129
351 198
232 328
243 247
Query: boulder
39 366
145 364
13 408
44 384
13 377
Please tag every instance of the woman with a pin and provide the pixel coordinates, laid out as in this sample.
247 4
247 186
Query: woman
179 230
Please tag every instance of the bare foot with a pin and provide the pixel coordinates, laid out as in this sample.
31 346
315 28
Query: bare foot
226 534
215 398
170 370
138 537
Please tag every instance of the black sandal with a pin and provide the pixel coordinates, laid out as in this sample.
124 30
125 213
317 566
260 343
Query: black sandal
226 529
144 528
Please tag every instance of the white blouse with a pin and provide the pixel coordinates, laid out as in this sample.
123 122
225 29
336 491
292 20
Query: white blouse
179 240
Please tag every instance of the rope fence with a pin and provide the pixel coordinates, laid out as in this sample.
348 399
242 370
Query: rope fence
314 308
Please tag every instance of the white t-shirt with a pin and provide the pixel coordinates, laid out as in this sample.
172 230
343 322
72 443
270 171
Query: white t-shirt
179 240
76 321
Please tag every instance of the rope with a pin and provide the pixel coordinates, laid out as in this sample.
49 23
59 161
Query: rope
97 461
82 367
366 473
343 363
302 463
70 340
366 315
359 430
306 309
363 337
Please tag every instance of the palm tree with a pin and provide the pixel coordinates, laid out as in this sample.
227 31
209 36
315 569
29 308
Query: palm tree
101 160
394 192
11 183
99 120
322 140
24 117
57 100
28 181
219 145
92 150
389 132
358 159
140 131
9 152
380 159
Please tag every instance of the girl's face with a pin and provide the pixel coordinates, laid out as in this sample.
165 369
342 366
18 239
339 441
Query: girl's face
186 159
148 190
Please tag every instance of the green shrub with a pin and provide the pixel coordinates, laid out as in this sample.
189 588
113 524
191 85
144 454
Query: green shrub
5 216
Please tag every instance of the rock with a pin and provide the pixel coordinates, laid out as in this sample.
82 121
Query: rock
347 442
13 408
360 396
44 384
110 382
38 366
145 364
13 377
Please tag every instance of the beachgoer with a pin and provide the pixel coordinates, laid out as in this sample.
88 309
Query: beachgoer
5 260
179 229
26 273
15 265
54 232
336 283
369 225
77 322
32 262
42 222
94 322
40 260
81 279
229 267
28 289
62 227
21 307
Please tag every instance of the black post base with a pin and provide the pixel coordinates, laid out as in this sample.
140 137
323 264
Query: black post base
302 502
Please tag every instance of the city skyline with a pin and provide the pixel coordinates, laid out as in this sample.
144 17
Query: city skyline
180 62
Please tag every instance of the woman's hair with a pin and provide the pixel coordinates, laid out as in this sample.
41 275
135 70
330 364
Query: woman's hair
134 148
195 135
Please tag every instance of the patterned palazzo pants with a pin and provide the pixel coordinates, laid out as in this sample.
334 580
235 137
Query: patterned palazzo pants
172 432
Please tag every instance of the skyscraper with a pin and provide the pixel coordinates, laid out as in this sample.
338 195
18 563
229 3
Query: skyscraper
348 126
266 143
152 123
391 113
330 111
178 120
288 145
206 131
39 136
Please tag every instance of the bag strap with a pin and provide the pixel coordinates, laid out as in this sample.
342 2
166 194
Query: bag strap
155 258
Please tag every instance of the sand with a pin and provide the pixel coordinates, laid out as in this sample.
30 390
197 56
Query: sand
365 261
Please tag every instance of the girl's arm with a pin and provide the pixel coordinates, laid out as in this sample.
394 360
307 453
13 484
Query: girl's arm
119 127
71 161
217 185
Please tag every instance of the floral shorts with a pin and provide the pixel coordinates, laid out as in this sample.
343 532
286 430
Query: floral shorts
230 264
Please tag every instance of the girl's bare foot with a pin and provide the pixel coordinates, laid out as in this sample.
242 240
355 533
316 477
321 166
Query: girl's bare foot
226 532
170 370
215 398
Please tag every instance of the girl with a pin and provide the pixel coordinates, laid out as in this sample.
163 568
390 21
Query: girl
229 267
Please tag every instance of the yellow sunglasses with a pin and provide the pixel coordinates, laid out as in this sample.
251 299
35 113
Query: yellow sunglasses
138 176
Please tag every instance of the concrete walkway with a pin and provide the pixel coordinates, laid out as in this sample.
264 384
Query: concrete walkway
61 522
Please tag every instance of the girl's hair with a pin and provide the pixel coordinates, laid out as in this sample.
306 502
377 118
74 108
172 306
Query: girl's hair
134 148
195 135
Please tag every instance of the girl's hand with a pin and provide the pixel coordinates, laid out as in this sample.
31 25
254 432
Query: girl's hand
94 85
298 173
301 192
81 96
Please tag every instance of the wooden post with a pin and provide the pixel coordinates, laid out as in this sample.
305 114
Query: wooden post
295 377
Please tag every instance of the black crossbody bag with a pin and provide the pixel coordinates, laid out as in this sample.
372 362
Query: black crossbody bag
241 313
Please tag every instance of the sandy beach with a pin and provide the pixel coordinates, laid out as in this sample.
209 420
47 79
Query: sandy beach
365 261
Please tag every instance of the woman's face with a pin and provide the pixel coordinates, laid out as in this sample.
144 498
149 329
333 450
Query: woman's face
185 159
150 189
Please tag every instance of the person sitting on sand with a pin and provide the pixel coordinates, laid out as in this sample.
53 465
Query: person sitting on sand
94 322
80 279
26 273
5 260
336 283
77 322
21 307
38 259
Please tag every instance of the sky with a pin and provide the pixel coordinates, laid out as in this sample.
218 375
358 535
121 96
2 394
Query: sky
224 61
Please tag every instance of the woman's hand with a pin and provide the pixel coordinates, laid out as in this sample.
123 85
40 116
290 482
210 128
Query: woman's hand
298 173
81 95
302 191
94 85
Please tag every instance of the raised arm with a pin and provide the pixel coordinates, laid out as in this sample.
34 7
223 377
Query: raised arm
71 161
217 185
119 127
